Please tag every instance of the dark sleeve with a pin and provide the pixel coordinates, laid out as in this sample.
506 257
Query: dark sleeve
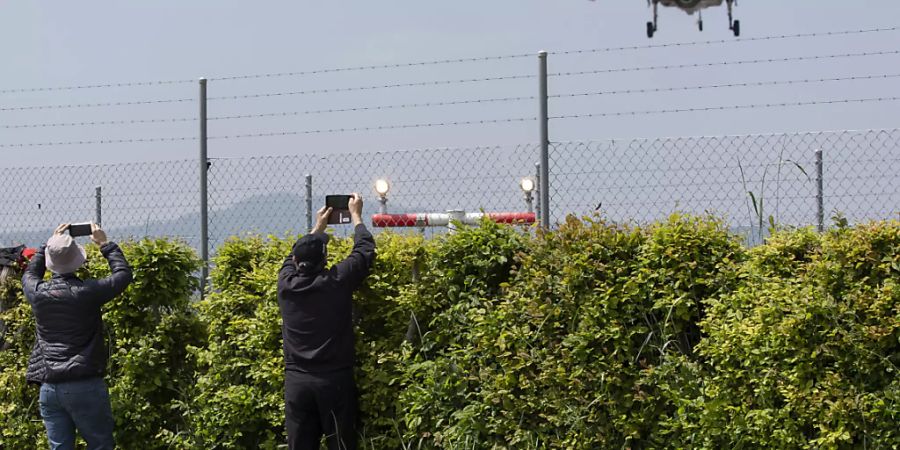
288 270
355 268
120 277
34 273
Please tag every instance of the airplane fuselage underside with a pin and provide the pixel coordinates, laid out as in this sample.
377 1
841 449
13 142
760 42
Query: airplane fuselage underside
691 6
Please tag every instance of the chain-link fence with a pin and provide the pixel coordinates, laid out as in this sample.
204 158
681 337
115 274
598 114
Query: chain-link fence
268 195
145 199
744 179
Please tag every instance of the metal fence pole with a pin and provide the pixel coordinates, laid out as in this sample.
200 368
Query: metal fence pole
545 141
309 205
537 191
820 192
204 212
98 216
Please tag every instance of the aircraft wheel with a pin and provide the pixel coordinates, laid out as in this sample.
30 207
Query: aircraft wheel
650 29
737 28
700 24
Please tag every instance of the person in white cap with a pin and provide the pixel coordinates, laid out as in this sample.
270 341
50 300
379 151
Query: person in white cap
69 355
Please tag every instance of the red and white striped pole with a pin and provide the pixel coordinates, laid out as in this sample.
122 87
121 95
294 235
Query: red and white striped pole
444 219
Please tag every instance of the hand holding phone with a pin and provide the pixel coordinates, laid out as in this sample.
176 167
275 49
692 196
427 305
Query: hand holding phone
321 220
356 205
60 229
98 235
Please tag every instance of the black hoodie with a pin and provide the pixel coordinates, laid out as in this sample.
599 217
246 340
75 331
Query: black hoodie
316 309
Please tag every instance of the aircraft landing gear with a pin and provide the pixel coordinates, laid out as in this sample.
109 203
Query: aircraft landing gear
700 21
733 25
651 26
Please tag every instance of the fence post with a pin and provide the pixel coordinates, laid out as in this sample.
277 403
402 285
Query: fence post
413 331
820 192
204 212
537 191
545 141
98 219
309 205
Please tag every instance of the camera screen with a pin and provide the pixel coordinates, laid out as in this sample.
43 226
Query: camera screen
337 201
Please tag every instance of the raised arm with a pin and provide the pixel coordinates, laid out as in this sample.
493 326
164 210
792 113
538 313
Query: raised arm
34 273
120 276
355 268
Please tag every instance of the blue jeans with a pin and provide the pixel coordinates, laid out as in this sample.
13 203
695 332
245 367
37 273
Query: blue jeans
81 405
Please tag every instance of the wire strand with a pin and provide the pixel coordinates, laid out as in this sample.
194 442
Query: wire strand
96 86
725 108
529 55
450 61
375 108
725 41
100 142
96 105
100 123
372 67
374 87
729 85
376 128
449 103
275 133
725 63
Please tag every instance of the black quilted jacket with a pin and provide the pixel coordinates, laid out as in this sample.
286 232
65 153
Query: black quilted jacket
69 344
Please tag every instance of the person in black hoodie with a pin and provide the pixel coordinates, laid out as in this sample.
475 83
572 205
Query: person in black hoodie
316 310
69 355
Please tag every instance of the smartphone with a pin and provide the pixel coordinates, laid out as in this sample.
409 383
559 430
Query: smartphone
340 208
337 201
80 229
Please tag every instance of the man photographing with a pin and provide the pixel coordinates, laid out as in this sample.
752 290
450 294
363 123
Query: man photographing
69 355
316 310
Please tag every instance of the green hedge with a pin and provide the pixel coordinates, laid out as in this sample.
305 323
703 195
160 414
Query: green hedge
595 335
148 331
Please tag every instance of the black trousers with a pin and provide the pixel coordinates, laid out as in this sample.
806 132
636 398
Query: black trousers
318 404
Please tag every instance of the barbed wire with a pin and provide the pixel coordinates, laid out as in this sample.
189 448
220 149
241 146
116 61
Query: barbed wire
725 41
454 123
440 62
376 128
558 74
435 124
101 122
374 87
268 134
528 55
725 63
726 108
450 103
375 108
729 85
95 86
373 67
96 105
100 142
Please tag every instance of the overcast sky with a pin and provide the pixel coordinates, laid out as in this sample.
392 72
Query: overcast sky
52 44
